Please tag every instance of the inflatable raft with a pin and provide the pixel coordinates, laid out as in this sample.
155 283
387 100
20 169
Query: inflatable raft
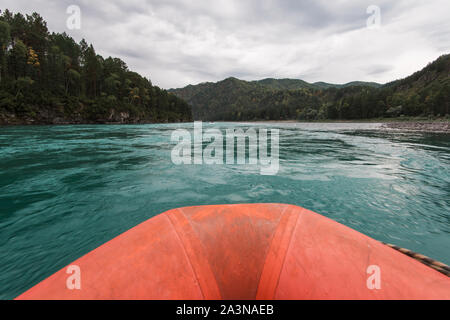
261 251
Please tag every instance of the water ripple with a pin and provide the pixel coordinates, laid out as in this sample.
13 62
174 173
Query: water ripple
65 190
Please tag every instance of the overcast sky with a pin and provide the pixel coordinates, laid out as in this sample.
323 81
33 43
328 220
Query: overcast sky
180 42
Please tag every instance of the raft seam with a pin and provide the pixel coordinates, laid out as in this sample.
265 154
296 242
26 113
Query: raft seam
288 249
270 249
185 252
202 263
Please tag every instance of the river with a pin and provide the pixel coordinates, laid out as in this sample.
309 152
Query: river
65 190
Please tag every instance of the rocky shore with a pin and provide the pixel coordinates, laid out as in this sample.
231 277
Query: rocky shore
437 126
51 117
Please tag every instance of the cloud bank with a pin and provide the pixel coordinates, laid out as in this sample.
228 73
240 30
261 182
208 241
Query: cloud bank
180 42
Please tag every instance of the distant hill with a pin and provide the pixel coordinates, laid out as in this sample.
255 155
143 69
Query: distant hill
324 85
285 84
425 93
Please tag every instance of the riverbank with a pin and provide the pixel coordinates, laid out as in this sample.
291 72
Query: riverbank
436 126
53 118
439 125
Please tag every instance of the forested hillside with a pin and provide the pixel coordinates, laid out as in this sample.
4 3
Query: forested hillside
425 93
49 78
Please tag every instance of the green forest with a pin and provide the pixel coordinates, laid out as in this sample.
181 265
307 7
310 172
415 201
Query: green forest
426 93
48 78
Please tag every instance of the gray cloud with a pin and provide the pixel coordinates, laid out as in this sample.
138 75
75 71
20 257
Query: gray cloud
178 42
378 69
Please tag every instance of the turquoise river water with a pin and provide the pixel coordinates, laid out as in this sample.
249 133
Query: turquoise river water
65 190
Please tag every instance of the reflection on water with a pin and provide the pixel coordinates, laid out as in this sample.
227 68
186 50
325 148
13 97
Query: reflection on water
65 190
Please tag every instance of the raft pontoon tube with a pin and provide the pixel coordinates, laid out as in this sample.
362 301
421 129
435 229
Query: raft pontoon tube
261 251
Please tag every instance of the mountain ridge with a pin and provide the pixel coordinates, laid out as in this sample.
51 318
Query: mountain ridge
424 93
285 83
